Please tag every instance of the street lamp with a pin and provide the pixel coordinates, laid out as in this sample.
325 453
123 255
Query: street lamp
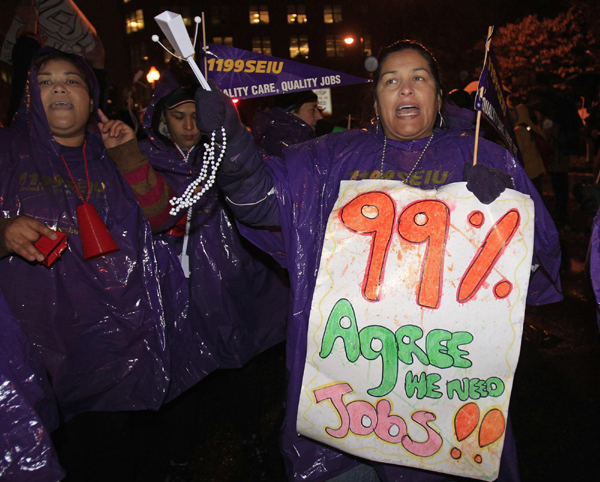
152 76
349 40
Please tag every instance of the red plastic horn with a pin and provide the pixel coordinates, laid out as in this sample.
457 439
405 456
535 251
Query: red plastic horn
96 241
51 249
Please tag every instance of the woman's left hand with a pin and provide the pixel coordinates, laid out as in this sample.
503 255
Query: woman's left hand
114 132
487 184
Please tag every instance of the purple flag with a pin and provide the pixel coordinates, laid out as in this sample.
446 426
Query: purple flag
492 103
243 74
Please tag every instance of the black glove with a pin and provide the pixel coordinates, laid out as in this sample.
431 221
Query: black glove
215 110
487 184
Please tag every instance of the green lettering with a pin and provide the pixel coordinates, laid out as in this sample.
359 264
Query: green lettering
408 348
455 386
416 383
459 338
438 353
477 389
388 353
494 386
334 329
433 390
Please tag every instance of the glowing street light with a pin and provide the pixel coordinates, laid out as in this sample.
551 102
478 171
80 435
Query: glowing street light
153 75
349 40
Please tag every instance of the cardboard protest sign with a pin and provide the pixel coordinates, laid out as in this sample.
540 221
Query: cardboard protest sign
415 325
243 74
60 25
491 101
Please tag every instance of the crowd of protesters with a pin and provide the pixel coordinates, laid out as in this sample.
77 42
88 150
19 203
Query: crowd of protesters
91 341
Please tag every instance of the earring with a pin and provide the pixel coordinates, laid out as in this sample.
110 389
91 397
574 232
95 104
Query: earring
441 118
377 125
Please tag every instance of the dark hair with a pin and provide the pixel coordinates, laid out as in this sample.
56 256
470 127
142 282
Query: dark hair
43 59
400 46
293 101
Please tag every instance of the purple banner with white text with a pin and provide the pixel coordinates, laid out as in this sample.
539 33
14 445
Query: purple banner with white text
492 103
243 74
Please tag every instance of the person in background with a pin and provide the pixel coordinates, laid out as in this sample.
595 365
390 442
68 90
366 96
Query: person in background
293 120
532 142
298 193
26 47
238 296
557 115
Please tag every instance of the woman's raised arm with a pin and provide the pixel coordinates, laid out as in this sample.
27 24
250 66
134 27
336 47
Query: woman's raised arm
242 175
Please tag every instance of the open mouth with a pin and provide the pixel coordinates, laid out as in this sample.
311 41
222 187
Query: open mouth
61 105
407 111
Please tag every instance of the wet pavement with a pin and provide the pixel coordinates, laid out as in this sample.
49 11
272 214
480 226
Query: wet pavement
555 405
556 394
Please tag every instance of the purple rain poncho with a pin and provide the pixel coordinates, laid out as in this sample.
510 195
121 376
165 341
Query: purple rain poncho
275 129
306 184
27 408
595 261
238 296
98 324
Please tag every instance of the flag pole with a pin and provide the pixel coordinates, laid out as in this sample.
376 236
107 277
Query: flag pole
477 124
480 94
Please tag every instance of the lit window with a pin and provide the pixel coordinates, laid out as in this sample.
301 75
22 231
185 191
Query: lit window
259 14
126 1
298 46
332 13
135 21
261 45
334 45
367 50
296 14
228 41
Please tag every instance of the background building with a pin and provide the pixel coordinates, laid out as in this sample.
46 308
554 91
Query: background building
336 36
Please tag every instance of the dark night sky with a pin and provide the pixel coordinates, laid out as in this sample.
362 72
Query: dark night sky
452 28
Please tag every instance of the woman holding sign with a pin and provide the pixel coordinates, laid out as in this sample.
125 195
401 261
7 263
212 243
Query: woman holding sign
406 145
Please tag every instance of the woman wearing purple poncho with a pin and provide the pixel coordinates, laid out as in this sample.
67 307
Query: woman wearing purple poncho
98 324
238 297
293 120
28 409
595 261
299 192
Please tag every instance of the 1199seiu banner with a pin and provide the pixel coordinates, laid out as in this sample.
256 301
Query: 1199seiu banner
243 74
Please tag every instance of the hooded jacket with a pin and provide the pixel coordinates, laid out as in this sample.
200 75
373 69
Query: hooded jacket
525 129
238 296
276 129
99 325
28 410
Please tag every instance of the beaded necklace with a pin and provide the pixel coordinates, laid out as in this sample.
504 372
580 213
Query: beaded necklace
209 163
407 179
87 175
